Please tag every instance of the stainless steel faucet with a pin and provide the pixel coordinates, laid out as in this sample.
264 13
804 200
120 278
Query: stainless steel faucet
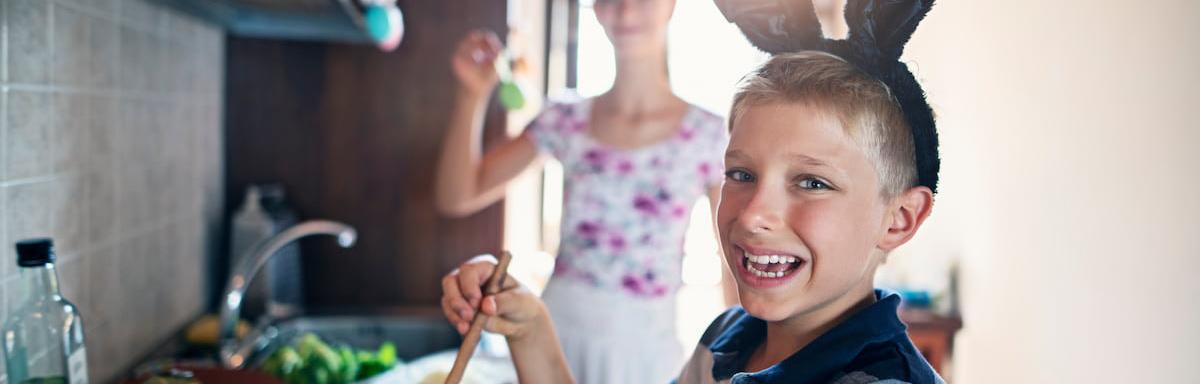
233 353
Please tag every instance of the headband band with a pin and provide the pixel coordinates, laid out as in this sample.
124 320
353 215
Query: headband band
879 29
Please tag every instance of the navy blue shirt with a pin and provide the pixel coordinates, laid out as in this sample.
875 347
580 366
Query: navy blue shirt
870 346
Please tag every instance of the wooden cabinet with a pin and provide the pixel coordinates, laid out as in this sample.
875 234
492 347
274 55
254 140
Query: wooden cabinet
932 334
354 135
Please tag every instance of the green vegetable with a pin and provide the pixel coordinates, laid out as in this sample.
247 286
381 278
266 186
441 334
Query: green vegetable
349 370
312 361
387 354
314 374
371 368
309 344
283 362
326 359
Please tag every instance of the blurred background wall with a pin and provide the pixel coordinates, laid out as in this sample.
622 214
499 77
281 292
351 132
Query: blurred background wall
1069 187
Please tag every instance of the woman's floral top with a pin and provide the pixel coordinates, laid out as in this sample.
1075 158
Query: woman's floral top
625 211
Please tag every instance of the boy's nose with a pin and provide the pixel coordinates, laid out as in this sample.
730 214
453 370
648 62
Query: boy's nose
763 212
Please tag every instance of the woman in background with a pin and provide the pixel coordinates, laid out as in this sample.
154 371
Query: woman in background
636 159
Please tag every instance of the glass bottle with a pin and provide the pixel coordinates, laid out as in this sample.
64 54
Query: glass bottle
43 336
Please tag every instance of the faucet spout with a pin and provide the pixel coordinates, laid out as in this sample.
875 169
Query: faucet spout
233 354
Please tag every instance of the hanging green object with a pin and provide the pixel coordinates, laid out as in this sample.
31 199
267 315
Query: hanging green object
511 95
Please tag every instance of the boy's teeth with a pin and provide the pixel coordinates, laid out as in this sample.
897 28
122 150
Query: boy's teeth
770 259
765 262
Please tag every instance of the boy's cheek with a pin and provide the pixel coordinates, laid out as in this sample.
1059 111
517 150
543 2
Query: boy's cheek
729 209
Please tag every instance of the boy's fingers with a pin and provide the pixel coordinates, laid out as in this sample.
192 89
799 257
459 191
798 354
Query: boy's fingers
448 312
509 283
496 324
454 318
473 275
489 306
511 304
453 315
453 296
468 284
450 285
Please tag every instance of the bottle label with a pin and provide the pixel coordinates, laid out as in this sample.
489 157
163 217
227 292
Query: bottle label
77 364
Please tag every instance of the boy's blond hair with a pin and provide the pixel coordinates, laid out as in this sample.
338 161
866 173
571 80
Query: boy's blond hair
864 105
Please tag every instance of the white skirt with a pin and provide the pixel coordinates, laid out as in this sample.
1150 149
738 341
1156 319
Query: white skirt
612 337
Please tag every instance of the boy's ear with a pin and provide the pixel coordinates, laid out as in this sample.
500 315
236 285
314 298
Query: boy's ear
906 214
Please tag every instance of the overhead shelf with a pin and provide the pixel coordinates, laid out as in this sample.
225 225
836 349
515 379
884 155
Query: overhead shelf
377 22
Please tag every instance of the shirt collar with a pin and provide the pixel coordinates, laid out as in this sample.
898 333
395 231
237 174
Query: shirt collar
821 358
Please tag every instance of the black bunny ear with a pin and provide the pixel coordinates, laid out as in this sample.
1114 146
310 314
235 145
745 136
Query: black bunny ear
879 29
775 26
885 24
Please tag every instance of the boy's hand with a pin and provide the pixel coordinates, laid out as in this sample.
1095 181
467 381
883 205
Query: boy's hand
515 312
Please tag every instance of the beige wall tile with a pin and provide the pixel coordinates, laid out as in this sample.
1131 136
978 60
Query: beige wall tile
29 41
27 213
105 351
104 286
70 57
105 60
101 207
134 59
70 136
73 281
68 217
30 150
141 14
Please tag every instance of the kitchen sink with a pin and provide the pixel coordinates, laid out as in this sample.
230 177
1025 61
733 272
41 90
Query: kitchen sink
425 345
414 336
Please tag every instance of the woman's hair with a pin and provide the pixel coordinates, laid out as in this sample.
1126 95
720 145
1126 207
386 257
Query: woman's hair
866 108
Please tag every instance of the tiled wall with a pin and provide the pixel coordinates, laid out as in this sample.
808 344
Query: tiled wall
110 142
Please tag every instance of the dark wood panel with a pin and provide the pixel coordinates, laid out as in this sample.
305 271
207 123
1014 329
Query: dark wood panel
354 135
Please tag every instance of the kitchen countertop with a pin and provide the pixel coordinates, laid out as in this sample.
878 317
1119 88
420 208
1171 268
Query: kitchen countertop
176 349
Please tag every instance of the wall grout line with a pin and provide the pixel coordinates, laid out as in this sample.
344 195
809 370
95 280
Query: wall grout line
137 95
4 34
52 76
3 171
33 180
118 80
4 151
88 11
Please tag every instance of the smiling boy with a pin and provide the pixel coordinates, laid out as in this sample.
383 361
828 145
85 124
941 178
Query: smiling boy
832 163
820 186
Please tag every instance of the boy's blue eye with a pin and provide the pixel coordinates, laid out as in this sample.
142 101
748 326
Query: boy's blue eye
739 175
811 183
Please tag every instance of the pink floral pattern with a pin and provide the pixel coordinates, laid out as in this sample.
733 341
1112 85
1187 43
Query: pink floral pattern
626 210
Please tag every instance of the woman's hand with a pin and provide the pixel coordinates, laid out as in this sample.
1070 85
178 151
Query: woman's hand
515 312
474 62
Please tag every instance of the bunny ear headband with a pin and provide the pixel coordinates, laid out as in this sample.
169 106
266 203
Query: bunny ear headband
879 29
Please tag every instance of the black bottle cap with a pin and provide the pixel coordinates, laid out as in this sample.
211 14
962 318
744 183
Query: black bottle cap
35 252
